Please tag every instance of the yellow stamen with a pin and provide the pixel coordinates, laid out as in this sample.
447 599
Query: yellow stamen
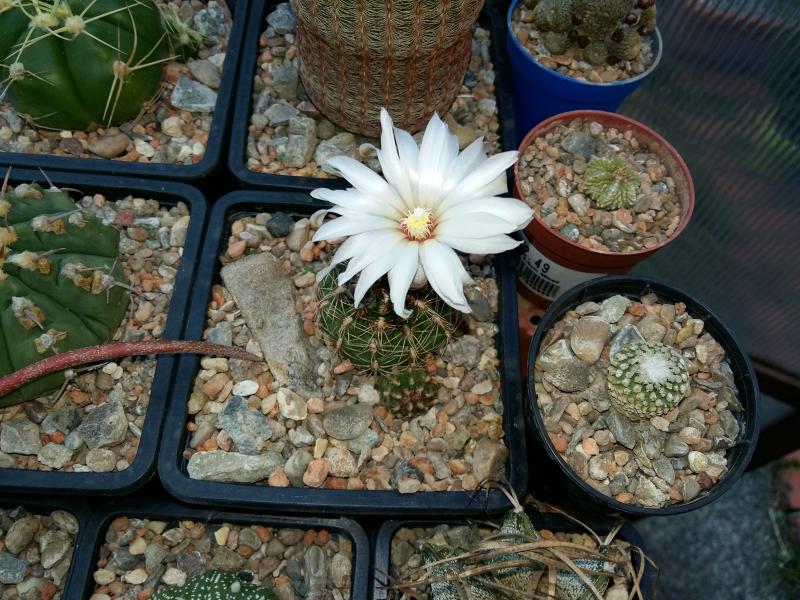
418 224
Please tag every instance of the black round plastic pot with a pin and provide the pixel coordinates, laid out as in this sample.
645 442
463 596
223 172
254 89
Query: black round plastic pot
172 464
237 157
80 510
382 544
83 584
217 138
554 471
143 466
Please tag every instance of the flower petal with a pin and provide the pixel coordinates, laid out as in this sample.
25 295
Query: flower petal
352 225
365 180
473 225
469 160
376 246
437 155
401 275
393 169
514 211
485 176
355 201
376 269
445 273
489 245
408 152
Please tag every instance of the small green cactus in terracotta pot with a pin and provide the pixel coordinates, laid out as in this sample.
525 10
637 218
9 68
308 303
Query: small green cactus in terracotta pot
80 64
611 182
647 379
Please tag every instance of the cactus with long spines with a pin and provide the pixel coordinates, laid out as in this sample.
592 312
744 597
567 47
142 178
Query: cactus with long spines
372 336
61 282
80 64
598 31
647 379
214 585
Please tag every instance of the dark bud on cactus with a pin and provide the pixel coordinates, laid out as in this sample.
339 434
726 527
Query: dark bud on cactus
583 41
372 336
75 64
631 19
644 31
644 4
61 283
577 19
618 35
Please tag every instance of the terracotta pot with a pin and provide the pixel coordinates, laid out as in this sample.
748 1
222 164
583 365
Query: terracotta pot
552 263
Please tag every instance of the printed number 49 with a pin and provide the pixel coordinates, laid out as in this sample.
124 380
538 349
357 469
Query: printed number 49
544 268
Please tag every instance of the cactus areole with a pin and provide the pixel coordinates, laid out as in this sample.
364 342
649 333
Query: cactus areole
80 64
59 283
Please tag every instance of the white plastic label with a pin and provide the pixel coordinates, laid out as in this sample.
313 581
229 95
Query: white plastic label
546 278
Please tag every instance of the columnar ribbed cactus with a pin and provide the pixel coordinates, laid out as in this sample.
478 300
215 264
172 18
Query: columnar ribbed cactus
372 336
60 279
647 379
214 585
78 64
611 182
595 30
407 392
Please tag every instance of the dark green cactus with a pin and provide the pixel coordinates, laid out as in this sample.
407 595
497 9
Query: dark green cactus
216 585
372 336
59 276
407 392
80 64
611 182
647 379
598 31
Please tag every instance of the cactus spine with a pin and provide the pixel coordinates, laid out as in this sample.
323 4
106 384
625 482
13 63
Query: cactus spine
372 336
647 379
214 584
599 31
611 182
80 64
60 279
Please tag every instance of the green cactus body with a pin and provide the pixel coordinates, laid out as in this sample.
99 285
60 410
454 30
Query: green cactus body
516 528
214 585
79 64
407 392
647 379
596 30
58 268
611 182
457 589
372 336
184 40
570 587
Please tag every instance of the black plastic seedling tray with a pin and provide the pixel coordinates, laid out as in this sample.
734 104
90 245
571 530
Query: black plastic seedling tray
80 510
83 584
559 478
382 545
237 157
172 465
217 139
142 468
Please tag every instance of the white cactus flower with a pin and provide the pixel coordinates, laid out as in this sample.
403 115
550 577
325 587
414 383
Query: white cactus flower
431 202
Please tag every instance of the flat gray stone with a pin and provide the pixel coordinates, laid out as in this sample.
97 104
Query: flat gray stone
104 426
265 294
347 422
488 459
613 308
20 436
54 455
588 338
249 429
193 96
629 334
233 467
622 428
21 533
54 546
296 466
282 19
12 569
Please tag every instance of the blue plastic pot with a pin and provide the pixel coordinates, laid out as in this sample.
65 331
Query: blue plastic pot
540 93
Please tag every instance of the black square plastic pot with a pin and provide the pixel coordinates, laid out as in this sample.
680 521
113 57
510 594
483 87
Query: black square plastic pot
80 510
82 582
217 137
143 466
172 464
382 546
237 157
556 478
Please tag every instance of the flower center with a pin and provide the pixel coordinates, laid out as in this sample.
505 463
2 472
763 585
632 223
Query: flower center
417 224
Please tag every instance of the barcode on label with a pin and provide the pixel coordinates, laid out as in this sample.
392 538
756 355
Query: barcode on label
537 282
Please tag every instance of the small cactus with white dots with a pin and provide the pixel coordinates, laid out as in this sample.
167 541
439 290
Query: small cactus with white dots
214 585
61 282
80 64
611 183
372 336
647 379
